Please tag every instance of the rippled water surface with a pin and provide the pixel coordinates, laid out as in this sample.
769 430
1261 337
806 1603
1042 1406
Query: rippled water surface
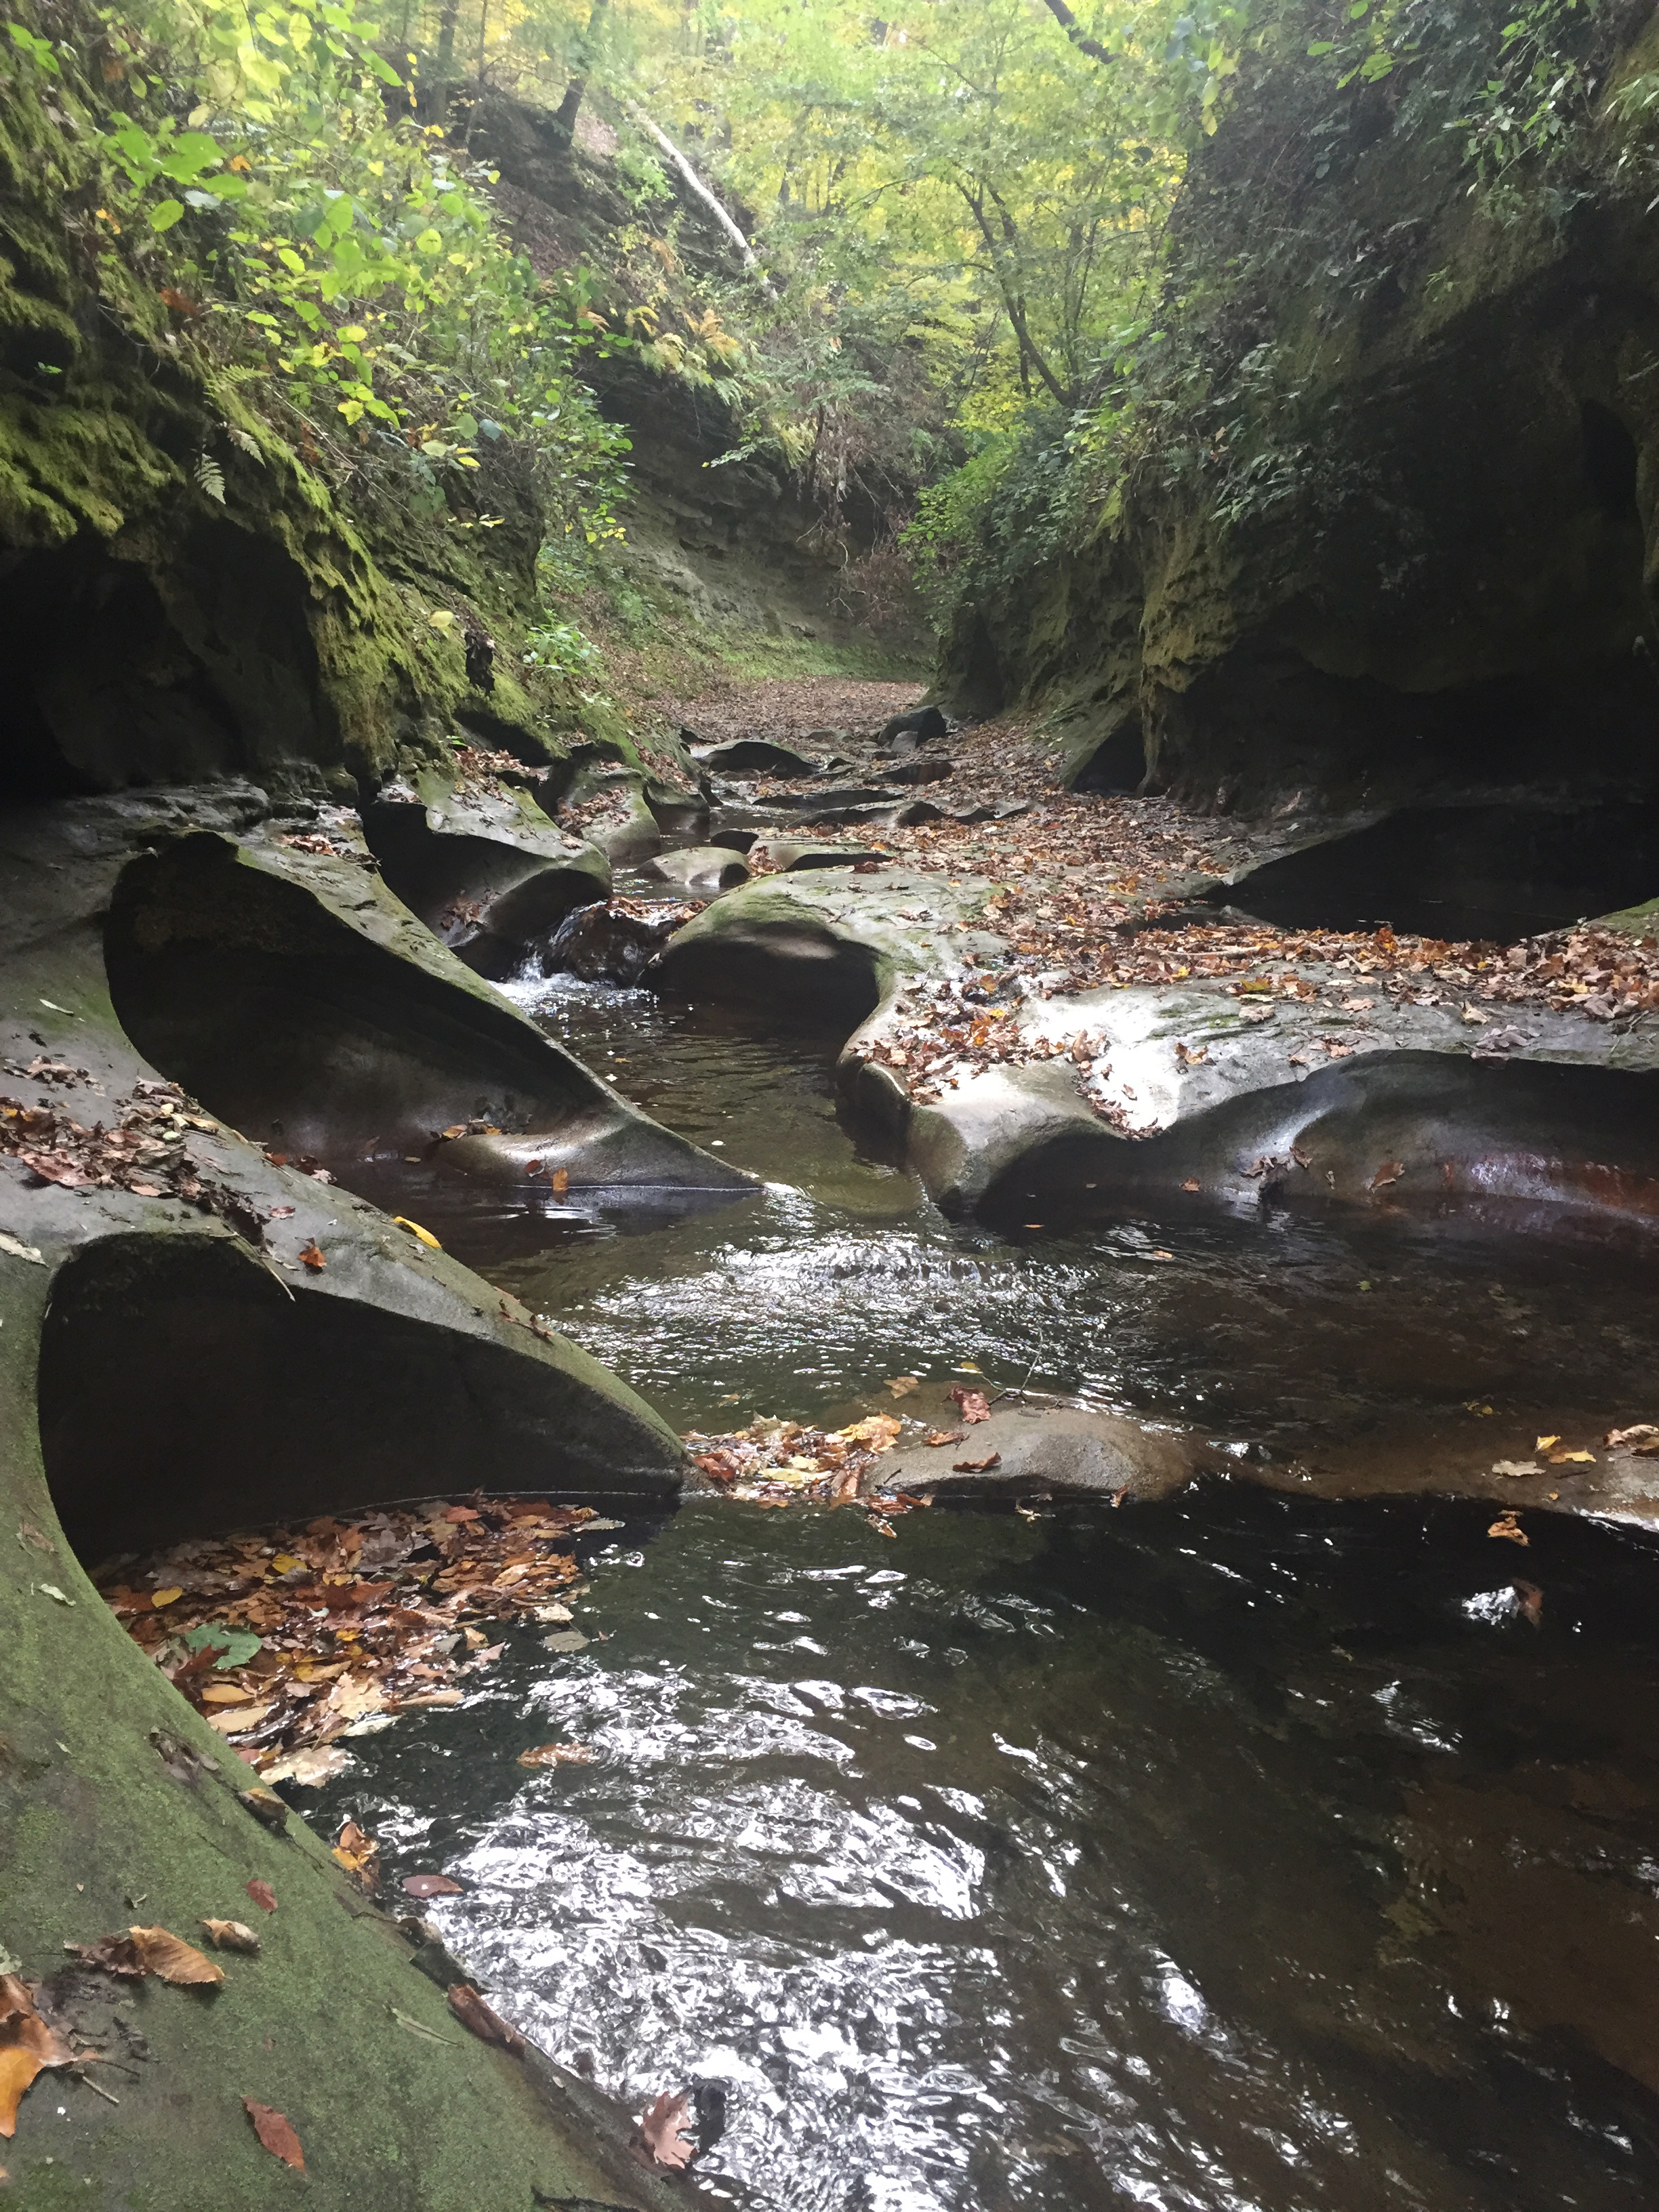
1238 1850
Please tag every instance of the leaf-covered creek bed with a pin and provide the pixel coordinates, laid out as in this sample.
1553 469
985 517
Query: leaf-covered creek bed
1239 1848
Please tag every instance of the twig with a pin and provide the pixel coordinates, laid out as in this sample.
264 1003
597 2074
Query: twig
89 2083
1030 1372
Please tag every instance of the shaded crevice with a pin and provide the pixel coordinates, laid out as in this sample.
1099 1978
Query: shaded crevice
184 1392
1494 872
114 677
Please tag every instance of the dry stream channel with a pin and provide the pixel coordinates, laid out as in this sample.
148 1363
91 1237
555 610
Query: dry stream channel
1247 1848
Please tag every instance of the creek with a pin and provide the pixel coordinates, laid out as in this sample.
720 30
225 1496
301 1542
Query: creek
1248 1848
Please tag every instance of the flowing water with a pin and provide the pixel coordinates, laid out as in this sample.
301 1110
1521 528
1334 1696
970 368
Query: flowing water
1245 1849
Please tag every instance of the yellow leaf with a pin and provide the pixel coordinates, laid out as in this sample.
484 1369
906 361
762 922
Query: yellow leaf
226 1693
414 1229
1544 1442
165 1597
285 1563
1572 1459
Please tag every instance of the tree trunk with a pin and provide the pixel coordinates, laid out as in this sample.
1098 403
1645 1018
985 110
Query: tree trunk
446 60
694 185
564 116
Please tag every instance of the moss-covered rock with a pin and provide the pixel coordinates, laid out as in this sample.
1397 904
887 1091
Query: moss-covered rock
1389 529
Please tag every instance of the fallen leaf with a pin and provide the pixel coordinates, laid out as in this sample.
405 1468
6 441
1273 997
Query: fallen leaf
226 1693
233 1936
1545 1443
938 1437
170 1958
1532 1601
263 1895
312 1256
557 1754
1192 1183
18 1250
470 2009
310 1767
558 1181
423 1236
431 1885
565 1639
1508 1526
266 1807
240 1720
664 2130
143 1951
1644 1438
975 1466
972 1403
879 1431
159 1598
27 2047
275 2134
1572 1459
902 1385
1390 1171
1515 1467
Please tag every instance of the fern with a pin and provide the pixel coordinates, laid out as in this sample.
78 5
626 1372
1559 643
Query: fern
209 477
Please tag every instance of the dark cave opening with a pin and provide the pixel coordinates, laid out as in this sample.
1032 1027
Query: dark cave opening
1610 460
1499 872
1118 764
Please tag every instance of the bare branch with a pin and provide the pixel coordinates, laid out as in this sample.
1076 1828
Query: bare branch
1075 31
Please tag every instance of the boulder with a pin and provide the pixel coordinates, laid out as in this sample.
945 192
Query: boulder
1048 1450
921 768
706 869
750 756
486 871
614 941
920 725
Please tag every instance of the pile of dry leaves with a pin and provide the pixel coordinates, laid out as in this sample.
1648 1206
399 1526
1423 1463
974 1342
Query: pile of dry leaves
287 1640
777 1462
143 1148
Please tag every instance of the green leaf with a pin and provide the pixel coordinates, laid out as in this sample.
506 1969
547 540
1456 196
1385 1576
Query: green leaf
290 260
238 1644
163 216
429 241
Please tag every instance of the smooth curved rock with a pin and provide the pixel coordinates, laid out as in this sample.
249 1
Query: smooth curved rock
1203 1096
707 869
488 872
192 1379
612 942
1051 1450
747 756
293 994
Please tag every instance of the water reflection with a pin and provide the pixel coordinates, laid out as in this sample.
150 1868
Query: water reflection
1218 1853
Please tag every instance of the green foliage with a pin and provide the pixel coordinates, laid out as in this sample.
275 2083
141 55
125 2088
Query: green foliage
318 240
561 648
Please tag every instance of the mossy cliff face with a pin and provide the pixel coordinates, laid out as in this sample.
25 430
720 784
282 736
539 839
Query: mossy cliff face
1391 530
153 631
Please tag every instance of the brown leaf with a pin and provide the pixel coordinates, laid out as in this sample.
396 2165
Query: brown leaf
170 1958
116 1954
664 2130
180 302
1644 1437
27 2046
975 1466
902 1385
938 1437
470 2009
557 1754
275 2134
233 1936
312 1256
1532 1601
558 1180
1507 1525
972 1403
1390 1171
263 1895
431 1885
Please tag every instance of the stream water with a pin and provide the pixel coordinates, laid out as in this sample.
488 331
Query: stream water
1243 1849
